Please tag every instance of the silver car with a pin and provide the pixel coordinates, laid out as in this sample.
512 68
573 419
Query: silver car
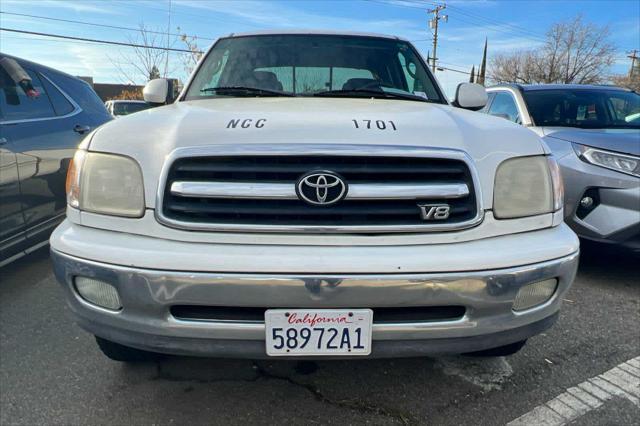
594 132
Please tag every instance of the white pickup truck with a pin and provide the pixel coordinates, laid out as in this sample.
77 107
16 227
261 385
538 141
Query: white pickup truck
313 195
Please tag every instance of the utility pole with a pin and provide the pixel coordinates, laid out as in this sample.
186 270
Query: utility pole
633 56
433 24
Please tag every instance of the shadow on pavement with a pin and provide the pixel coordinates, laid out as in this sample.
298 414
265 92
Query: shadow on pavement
608 264
28 270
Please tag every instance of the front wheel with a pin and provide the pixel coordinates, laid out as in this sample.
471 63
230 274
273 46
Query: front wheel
122 353
505 350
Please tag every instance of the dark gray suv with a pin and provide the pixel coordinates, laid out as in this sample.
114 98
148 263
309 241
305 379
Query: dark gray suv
44 114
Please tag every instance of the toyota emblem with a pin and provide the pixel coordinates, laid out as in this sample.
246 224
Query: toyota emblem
321 188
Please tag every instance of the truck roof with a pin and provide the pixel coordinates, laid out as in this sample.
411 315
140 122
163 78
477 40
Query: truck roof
314 32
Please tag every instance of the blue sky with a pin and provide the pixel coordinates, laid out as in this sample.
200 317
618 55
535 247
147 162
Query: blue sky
508 25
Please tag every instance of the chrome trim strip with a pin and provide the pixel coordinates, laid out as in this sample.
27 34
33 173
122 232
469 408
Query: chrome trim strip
76 108
320 150
406 192
284 191
280 191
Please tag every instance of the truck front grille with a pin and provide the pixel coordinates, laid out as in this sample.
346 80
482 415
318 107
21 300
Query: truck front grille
258 192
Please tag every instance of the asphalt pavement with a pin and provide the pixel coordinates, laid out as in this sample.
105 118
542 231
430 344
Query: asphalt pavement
51 372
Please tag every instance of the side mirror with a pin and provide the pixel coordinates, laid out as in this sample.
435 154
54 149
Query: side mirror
156 91
470 96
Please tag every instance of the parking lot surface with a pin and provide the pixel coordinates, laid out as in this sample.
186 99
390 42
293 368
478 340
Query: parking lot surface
51 372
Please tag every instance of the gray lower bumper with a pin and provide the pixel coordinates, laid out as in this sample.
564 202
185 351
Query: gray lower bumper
255 349
145 321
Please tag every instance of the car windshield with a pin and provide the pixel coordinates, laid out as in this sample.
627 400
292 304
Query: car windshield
584 108
126 108
313 65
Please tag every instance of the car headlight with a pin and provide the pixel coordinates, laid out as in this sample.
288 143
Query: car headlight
105 183
527 186
622 163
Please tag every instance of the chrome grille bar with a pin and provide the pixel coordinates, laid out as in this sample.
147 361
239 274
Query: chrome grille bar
283 191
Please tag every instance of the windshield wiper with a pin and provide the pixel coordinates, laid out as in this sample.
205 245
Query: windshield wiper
372 93
249 91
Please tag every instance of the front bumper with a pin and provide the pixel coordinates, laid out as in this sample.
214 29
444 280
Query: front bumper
616 216
147 294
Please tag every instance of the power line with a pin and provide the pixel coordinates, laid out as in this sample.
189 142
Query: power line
477 16
116 27
514 28
48 40
91 40
469 19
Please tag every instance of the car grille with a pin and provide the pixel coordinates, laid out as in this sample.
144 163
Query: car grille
241 172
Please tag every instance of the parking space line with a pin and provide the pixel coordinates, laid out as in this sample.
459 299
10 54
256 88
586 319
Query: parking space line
594 390
585 397
631 370
578 400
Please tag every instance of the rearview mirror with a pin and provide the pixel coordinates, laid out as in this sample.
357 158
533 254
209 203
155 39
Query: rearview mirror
156 91
470 96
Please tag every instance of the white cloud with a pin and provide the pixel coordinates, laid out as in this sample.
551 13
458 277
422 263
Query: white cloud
74 5
268 14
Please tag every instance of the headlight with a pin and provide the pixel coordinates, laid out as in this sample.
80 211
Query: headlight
105 183
610 160
527 186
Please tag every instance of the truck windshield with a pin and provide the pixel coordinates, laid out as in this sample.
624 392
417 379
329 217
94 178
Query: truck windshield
584 108
313 65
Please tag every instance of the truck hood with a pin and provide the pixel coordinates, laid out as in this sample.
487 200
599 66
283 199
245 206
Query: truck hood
626 141
150 136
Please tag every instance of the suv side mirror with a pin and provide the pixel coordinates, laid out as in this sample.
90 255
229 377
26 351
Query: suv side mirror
470 96
156 91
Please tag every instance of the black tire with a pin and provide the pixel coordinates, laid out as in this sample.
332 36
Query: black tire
122 353
505 350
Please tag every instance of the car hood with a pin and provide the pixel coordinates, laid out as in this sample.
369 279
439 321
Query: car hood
626 141
150 136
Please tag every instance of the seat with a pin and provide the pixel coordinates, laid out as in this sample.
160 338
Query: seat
267 80
359 83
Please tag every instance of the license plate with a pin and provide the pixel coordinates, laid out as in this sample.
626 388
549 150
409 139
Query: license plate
300 332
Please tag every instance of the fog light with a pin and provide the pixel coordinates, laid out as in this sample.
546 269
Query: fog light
586 202
534 294
98 292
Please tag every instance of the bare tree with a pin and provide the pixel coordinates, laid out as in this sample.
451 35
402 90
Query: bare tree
574 52
630 81
190 59
143 62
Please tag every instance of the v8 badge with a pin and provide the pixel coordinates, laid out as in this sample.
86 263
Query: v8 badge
434 211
